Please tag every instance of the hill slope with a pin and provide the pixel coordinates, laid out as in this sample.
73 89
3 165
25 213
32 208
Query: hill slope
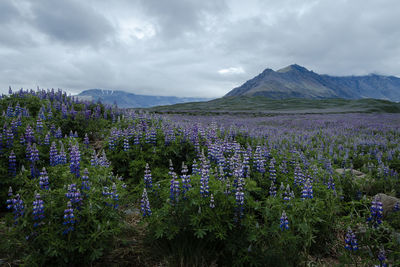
263 105
130 100
296 81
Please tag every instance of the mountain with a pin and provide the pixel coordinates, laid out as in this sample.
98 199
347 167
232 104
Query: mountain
295 81
130 100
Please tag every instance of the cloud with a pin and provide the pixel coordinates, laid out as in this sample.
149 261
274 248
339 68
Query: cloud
231 70
70 22
190 48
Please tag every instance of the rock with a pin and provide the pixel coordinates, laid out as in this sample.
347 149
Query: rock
133 211
358 174
388 202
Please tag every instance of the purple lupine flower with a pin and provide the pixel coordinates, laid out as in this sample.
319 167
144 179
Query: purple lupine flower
111 141
50 115
331 184
10 199
62 157
284 221
307 190
126 144
185 180
171 168
115 195
382 258
396 206
272 171
12 164
85 180
10 137
103 160
53 154
351 240
18 208
298 176
272 189
174 189
38 210
239 197
47 139
111 197
44 179
147 177
58 133
69 218
75 158
106 193
204 188
94 159
52 129
34 154
28 152
136 140
153 136
34 158
212 204
287 196
376 212
39 125
10 111
145 204
29 134
22 139
195 168
74 195
86 140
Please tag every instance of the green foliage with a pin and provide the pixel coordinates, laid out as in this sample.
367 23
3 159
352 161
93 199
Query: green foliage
96 223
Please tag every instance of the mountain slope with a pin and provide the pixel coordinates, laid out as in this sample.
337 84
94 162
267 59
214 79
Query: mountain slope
262 106
296 81
130 100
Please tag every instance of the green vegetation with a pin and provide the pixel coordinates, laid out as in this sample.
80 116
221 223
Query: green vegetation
262 105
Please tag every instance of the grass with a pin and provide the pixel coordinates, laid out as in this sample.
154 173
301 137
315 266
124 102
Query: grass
262 106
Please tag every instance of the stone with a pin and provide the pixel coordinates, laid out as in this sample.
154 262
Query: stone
388 202
358 174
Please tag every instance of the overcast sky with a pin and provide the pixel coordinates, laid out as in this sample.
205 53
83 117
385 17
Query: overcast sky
200 48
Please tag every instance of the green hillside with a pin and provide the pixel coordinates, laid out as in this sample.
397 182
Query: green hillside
264 105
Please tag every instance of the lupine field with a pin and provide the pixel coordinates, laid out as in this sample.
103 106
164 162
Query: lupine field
84 183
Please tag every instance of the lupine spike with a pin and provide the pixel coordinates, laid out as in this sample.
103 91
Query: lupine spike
38 210
284 221
351 240
69 218
145 204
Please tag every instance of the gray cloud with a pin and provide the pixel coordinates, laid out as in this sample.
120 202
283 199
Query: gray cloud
180 47
70 21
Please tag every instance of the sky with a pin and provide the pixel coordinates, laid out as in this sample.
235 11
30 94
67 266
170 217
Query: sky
190 48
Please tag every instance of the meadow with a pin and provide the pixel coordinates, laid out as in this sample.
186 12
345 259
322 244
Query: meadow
84 183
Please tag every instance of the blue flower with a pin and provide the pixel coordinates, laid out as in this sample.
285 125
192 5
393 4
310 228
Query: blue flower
212 204
376 212
44 179
284 221
351 240
147 177
69 218
145 204
38 210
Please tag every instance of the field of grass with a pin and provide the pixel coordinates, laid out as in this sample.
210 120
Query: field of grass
261 105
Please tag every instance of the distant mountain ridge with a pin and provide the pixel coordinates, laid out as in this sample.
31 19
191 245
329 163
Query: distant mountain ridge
295 81
129 100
